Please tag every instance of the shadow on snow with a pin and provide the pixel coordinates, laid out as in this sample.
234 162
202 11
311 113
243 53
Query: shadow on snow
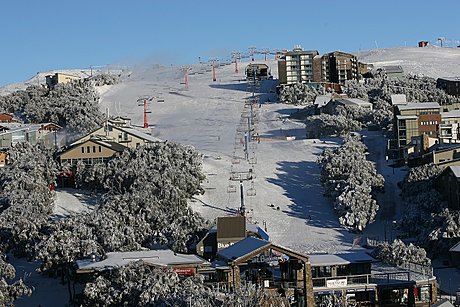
300 181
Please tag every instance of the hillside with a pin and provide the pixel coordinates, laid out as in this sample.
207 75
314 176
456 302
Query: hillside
430 61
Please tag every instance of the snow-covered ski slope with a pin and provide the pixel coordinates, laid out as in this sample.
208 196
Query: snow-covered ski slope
288 195
429 61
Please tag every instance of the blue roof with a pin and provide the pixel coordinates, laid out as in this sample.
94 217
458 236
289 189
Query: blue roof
242 248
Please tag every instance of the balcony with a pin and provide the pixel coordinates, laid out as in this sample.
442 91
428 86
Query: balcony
364 279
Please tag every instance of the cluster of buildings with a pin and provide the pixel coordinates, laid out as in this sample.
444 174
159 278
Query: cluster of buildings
308 66
235 253
12 131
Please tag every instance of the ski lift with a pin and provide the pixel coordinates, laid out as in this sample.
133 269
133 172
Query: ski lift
251 191
231 188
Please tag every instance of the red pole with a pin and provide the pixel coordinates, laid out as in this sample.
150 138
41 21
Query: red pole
214 71
146 123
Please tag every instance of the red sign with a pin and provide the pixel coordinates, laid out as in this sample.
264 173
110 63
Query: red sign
184 271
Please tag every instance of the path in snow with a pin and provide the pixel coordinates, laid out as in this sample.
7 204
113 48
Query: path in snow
68 201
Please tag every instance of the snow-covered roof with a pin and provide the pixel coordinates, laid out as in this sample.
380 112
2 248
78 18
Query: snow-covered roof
339 259
454 79
322 100
158 257
393 69
139 134
398 99
450 114
456 171
242 248
418 105
354 102
406 117
443 303
249 227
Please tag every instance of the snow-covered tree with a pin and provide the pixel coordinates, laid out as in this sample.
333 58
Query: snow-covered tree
299 93
25 197
73 105
350 180
145 204
9 292
398 253
318 126
105 79
139 285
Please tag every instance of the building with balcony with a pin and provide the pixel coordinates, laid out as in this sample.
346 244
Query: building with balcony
336 67
357 279
451 85
296 66
415 119
269 265
450 127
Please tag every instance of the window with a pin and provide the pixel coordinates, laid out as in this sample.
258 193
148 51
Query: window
94 148
87 149
100 149
82 149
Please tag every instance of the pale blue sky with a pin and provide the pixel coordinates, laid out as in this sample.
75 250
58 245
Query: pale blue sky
44 35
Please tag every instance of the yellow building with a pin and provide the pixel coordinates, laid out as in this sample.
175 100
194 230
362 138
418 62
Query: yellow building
60 78
120 132
90 152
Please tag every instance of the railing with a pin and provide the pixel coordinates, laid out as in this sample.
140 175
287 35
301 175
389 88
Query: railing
426 270
350 280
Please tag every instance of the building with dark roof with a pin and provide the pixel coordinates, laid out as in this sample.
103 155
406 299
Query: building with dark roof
227 231
274 267
451 85
448 184
393 71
